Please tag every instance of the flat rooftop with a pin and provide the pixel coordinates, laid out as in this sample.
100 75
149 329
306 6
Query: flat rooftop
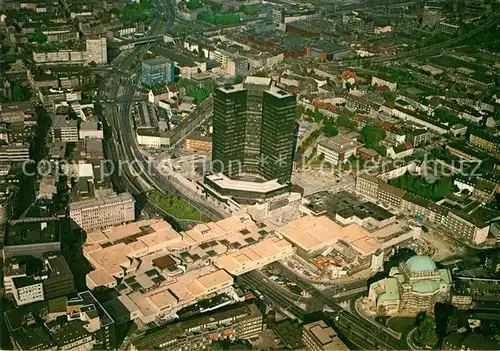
232 184
325 335
312 233
102 199
340 144
258 80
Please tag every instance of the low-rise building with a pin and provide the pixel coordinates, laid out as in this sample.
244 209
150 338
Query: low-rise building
318 336
195 142
153 139
232 323
337 150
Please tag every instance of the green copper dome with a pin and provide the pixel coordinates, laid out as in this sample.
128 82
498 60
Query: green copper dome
421 264
425 286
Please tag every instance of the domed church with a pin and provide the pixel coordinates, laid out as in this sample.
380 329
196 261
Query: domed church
415 286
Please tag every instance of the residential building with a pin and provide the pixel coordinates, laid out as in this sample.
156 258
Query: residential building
14 153
78 323
158 71
254 127
107 209
415 286
367 185
484 141
318 336
417 137
231 323
379 82
338 149
431 16
400 151
96 51
64 129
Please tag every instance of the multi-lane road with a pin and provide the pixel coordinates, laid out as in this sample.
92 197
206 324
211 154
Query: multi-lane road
137 175
356 328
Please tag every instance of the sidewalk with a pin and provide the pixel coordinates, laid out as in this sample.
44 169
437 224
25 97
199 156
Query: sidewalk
359 312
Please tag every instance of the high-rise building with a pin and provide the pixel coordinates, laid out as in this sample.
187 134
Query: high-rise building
96 51
228 139
254 128
277 134
158 71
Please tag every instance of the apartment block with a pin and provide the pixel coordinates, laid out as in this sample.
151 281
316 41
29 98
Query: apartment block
96 51
64 129
14 153
106 210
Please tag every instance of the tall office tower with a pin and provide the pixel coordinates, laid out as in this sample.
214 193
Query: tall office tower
230 108
255 87
277 134
96 50
254 130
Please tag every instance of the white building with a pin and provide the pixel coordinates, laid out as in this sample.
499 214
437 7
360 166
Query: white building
152 139
26 290
106 210
337 150
90 130
64 130
96 51
15 153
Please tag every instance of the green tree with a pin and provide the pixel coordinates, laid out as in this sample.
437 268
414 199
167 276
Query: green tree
372 135
238 79
17 93
318 116
427 335
38 37
300 111
343 121
329 128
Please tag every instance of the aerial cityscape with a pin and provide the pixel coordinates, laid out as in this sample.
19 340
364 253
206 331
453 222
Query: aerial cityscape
250 175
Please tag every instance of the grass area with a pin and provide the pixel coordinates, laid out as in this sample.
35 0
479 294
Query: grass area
401 324
177 207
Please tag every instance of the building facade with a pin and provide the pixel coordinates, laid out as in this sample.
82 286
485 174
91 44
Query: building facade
235 323
158 71
415 286
96 51
112 209
254 129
